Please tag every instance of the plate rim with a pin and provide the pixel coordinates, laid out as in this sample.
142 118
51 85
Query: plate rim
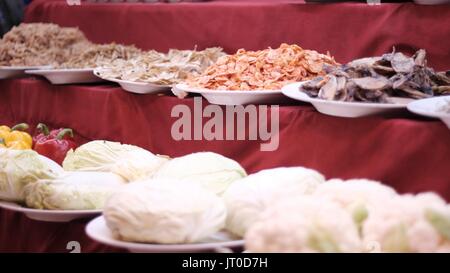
414 107
59 71
119 81
184 87
153 247
14 206
24 68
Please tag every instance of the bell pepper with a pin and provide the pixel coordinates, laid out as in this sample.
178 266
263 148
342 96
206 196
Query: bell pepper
56 146
15 137
45 133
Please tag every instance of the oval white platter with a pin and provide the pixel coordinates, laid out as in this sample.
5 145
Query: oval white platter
50 215
431 107
97 230
67 76
342 108
17 71
136 87
232 97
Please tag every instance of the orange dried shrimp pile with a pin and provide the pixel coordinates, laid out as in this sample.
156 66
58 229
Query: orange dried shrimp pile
268 69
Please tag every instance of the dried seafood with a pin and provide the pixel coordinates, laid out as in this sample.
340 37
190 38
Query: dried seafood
379 78
40 44
159 68
98 55
268 69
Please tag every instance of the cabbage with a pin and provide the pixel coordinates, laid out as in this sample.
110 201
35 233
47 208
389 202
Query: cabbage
73 191
129 161
21 167
164 211
248 197
210 170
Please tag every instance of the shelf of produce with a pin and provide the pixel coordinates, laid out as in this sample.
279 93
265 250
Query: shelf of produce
407 152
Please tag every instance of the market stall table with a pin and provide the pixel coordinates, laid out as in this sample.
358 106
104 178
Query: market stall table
410 153
407 152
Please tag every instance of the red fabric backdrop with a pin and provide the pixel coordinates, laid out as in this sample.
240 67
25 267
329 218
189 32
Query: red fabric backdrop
346 30
405 151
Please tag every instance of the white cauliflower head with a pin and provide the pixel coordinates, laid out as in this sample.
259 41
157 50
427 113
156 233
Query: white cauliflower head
309 224
409 223
355 195
248 197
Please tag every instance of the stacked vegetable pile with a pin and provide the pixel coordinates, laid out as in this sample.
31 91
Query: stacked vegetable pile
149 198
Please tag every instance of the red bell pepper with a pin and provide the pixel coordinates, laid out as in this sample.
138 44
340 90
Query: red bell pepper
54 144
45 133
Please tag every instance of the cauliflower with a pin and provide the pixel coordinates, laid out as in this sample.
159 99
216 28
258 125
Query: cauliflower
309 224
247 198
355 195
409 223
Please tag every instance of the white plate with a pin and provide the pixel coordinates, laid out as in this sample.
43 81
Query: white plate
137 87
342 108
67 76
50 215
17 71
229 97
431 2
98 231
431 108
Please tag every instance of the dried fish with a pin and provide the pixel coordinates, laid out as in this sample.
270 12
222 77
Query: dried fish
93 56
376 79
329 90
38 44
370 83
159 68
401 63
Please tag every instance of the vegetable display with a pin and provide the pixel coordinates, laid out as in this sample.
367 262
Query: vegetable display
147 198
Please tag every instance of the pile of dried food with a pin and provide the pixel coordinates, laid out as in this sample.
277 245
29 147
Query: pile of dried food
40 44
97 55
159 68
268 69
378 79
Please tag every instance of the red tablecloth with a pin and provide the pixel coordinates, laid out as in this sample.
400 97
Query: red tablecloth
410 153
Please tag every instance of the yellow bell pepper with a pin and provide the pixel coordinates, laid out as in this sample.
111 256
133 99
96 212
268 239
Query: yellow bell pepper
15 138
